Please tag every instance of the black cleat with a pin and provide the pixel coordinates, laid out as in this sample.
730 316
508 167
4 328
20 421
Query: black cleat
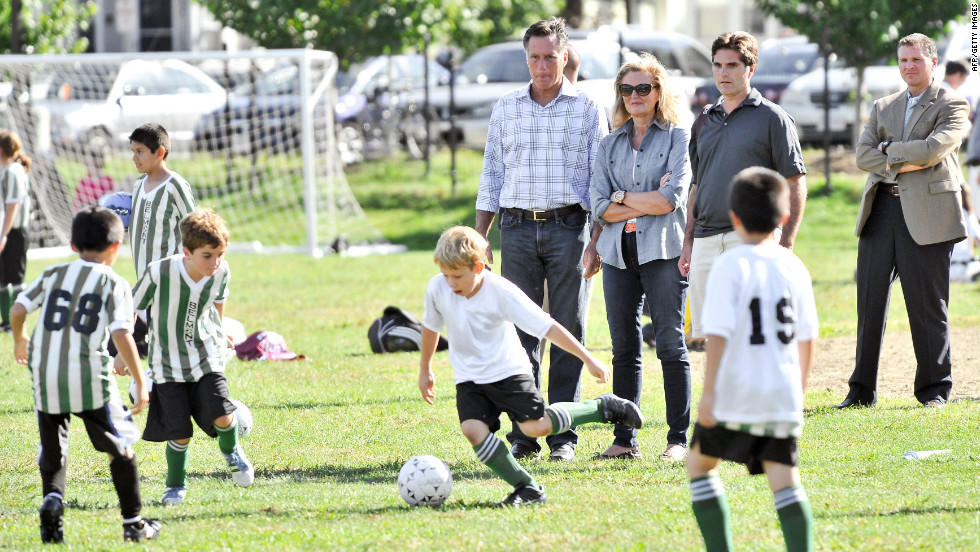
143 529
620 411
521 450
52 520
522 496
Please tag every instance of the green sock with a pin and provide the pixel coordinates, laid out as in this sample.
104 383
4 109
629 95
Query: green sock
711 510
228 436
176 464
567 415
6 301
498 458
795 517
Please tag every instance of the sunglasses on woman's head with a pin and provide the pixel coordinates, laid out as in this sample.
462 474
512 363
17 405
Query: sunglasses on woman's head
641 89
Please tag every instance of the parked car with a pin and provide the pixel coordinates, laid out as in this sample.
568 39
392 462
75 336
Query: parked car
96 105
493 71
781 60
804 99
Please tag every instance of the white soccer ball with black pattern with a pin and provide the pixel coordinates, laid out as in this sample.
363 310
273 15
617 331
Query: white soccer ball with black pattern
132 385
425 481
244 415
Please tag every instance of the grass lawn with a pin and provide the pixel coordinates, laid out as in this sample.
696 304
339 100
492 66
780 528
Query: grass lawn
332 432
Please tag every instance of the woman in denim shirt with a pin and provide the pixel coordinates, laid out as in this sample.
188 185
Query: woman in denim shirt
639 194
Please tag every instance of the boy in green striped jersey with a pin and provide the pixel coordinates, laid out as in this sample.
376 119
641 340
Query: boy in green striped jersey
82 302
186 295
161 198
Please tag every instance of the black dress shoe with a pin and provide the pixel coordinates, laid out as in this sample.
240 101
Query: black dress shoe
934 403
521 450
850 402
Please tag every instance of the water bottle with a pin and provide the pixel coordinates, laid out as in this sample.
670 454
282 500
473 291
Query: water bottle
921 454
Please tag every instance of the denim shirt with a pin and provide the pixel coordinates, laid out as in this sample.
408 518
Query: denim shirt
664 149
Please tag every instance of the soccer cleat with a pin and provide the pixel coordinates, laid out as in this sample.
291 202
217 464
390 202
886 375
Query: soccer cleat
522 496
620 411
144 529
241 469
174 496
52 520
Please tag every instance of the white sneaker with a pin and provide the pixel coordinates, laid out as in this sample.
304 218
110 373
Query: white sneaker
174 496
241 469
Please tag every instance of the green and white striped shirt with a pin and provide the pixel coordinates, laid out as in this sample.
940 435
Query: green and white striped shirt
154 231
187 340
81 304
14 188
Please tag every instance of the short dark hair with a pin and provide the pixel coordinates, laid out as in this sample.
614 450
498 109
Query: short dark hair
96 228
153 136
954 67
548 27
743 43
760 199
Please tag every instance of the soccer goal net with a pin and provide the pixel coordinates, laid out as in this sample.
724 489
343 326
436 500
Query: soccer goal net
253 133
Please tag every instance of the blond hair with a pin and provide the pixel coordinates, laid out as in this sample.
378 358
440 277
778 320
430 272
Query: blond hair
666 108
459 247
203 227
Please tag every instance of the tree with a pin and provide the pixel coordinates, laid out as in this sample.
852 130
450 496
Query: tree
356 29
863 32
45 26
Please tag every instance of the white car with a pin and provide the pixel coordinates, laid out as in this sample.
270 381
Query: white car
95 105
804 99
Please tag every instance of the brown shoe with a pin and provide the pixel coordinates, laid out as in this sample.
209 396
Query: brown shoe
627 454
674 453
696 345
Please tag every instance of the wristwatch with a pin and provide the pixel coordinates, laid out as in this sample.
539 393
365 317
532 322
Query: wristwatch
884 146
618 196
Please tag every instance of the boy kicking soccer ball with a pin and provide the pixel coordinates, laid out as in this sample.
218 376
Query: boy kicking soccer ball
492 372
186 295
761 320
82 302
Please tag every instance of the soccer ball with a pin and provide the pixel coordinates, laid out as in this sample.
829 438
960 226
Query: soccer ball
244 416
425 481
132 385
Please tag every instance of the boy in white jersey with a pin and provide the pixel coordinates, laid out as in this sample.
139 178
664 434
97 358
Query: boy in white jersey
761 321
83 302
492 372
161 198
186 296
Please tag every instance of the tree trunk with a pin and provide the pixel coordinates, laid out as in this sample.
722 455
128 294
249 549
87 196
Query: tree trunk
632 12
858 108
573 13
15 27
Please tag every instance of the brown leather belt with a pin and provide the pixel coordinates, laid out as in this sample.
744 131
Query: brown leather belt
541 216
888 188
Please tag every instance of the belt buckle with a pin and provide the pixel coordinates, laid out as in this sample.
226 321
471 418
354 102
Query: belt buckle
630 227
535 214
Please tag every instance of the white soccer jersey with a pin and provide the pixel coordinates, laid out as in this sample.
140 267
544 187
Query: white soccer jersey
483 342
82 303
186 336
14 188
760 299
154 231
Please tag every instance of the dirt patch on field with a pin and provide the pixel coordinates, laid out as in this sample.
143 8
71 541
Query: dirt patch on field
835 362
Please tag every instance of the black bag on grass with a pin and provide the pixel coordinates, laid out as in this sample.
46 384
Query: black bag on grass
398 330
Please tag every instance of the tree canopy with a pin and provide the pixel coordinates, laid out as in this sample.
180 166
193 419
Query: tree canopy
47 26
356 29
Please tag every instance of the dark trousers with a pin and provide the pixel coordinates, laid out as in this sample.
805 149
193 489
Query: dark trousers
53 459
886 251
535 251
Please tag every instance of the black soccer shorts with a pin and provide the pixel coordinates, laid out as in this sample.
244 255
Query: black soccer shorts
516 395
173 404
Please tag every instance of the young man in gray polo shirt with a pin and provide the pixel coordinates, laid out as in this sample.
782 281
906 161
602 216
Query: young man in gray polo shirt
742 129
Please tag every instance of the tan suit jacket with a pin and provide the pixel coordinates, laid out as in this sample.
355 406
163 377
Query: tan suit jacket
931 201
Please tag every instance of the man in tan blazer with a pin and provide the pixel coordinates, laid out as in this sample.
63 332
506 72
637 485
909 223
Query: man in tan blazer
911 214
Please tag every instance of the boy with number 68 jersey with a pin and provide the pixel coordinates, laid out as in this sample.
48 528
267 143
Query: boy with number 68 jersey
82 303
761 320
186 295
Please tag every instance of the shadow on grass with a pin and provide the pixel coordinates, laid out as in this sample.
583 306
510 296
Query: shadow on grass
357 401
908 511
380 473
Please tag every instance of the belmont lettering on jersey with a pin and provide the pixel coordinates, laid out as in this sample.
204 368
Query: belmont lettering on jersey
147 209
190 322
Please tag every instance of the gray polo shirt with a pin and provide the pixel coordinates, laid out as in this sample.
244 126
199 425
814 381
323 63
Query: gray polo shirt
757 133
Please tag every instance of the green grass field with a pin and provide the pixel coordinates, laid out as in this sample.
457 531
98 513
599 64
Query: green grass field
332 432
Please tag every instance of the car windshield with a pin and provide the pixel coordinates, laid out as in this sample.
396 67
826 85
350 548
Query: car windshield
81 81
599 61
279 80
786 61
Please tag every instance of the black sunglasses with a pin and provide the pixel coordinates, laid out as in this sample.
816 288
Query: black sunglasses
641 89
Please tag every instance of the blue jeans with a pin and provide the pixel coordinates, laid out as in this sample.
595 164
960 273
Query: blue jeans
666 292
532 252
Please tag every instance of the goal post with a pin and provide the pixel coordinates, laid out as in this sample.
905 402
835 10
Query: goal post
252 132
